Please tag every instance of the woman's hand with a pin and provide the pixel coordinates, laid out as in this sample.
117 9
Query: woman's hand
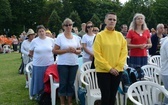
71 50
142 46
114 72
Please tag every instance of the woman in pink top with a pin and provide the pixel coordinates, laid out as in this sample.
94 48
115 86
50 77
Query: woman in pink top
15 43
138 40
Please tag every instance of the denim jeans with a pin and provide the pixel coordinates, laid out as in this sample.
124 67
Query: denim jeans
165 83
67 75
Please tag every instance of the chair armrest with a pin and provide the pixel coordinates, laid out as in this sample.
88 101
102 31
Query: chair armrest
147 78
82 80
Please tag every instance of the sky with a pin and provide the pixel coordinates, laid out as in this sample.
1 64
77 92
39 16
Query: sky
123 1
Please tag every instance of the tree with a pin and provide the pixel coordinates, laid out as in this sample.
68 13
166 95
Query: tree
26 14
5 16
160 9
95 19
75 17
54 23
85 9
67 7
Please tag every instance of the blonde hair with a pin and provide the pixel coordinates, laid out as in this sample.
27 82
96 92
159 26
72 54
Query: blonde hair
159 25
67 21
133 25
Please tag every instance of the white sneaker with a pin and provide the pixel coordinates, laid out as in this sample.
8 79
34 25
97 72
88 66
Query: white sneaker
27 84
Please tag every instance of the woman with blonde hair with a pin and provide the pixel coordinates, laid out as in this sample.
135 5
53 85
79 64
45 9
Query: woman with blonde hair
67 47
138 40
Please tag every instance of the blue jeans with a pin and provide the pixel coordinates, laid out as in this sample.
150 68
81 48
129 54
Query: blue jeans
67 75
165 83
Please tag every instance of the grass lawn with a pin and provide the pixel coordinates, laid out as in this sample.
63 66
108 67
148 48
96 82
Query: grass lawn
12 85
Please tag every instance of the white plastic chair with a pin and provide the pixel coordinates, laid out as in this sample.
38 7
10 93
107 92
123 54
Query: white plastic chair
6 48
77 82
145 93
89 79
29 68
152 73
121 98
54 86
85 66
82 67
155 60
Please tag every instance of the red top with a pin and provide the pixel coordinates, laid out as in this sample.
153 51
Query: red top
138 39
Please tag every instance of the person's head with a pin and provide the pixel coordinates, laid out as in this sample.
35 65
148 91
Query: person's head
41 30
24 33
30 34
61 31
75 30
165 29
124 28
102 26
110 20
83 26
138 20
160 28
153 31
89 27
95 30
67 25
48 33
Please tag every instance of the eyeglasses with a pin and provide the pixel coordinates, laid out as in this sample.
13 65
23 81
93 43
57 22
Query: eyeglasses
89 26
95 30
112 19
66 25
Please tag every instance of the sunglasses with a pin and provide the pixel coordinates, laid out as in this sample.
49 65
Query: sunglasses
95 30
89 26
112 19
66 25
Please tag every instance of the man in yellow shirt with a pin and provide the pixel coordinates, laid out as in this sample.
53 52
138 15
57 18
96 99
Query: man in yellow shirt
110 52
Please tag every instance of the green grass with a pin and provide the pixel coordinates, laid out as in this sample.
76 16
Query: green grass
12 84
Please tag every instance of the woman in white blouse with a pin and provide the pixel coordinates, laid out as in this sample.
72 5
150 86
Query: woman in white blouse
67 48
87 42
41 50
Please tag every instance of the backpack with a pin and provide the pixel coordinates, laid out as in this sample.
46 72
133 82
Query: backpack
131 75
44 98
81 95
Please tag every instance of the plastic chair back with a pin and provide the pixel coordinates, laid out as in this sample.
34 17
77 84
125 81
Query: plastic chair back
155 60
146 93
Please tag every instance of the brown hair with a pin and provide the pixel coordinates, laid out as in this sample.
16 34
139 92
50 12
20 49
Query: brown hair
89 22
40 27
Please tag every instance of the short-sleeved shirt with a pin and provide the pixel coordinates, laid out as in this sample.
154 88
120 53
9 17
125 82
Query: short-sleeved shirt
138 39
64 43
42 48
88 40
25 51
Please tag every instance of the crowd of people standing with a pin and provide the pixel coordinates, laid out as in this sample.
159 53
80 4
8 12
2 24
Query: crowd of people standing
106 47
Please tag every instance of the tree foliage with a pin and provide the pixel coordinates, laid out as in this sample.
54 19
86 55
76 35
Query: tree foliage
95 19
54 22
5 15
21 15
75 17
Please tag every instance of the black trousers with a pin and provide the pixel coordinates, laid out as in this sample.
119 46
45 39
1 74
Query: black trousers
108 85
